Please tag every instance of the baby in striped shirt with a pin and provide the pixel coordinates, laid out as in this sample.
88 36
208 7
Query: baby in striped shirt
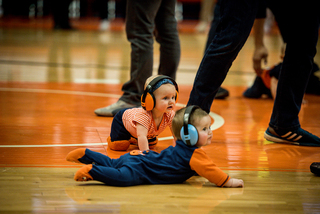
141 126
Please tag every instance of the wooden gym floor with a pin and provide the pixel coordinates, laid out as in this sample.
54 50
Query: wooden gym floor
52 81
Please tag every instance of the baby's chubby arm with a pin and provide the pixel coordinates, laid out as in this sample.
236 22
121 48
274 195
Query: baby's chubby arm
205 167
142 133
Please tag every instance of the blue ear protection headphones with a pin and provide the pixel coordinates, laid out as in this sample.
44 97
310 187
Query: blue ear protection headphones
188 132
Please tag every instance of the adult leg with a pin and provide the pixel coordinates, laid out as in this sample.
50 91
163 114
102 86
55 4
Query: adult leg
60 11
214 24
139 28
237 17
297 63
166 34
103 14
222 92
295 71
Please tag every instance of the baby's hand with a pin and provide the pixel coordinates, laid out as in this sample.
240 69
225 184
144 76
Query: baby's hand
234 183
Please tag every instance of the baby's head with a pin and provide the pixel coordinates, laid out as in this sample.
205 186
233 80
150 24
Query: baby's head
159 88
197 122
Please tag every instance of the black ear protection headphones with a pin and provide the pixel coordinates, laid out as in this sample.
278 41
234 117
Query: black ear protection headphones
188 132
148 102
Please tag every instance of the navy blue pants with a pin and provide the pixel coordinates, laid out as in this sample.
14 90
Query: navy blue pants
119 132
300 23
299 26
112 172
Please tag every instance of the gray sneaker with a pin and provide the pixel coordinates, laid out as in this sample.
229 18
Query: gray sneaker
113 109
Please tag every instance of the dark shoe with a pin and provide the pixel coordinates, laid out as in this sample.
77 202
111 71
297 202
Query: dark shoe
222 93
315 168
257 89
298 137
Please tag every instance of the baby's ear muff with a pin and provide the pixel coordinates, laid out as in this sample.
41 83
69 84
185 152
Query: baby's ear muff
188 132
177 95
148 102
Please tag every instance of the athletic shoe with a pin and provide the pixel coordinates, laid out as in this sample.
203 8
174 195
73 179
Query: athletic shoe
315 168
113 109
298 137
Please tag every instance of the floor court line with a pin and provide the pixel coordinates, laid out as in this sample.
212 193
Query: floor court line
53 145
52 91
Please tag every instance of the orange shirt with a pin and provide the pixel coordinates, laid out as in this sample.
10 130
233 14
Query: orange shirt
138 115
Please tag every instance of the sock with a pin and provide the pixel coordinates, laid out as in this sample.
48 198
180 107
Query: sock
83 173
118 145
75 155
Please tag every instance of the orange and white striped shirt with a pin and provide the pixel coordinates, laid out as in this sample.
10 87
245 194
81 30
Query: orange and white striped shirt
138 115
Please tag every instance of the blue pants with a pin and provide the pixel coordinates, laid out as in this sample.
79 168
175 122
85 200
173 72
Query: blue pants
299 21
119 132
233 29
112 171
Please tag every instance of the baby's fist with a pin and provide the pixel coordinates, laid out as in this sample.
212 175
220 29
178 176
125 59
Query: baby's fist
233 182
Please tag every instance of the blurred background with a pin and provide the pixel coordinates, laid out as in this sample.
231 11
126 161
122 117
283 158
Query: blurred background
44 13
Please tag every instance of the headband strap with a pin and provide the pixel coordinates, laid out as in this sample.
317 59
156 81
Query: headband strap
160 83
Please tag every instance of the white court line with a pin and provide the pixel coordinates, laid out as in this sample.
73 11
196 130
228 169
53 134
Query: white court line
217 123
67 145
53 145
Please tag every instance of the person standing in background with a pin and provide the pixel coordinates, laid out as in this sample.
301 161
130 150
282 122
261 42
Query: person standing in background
144 21
234 27
60 12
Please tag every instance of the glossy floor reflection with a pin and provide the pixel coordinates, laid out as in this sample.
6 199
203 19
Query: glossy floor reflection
50 84
50 190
